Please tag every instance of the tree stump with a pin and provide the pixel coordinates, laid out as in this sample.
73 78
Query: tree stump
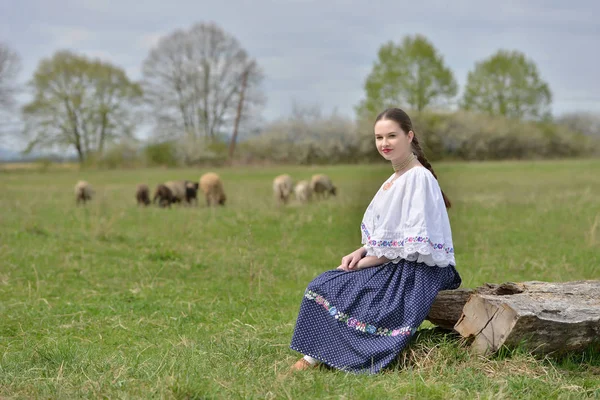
544 317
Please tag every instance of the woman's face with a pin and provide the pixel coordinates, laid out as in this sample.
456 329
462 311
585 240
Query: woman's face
391 141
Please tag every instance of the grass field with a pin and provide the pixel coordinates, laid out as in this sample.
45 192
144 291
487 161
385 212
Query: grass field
111 300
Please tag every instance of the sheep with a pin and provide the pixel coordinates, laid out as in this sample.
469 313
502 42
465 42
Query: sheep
183 190
142 194
177 189
303 191
283 185
191 192
164 196
83 192
212 187
322 186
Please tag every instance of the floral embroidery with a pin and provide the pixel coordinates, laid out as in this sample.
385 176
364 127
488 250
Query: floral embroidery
400 243
352 322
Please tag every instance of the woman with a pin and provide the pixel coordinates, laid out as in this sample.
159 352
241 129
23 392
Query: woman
361 315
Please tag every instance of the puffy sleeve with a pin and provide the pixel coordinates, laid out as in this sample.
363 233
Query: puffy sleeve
410 221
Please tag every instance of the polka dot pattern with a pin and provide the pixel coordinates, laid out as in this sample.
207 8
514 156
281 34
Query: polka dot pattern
360 321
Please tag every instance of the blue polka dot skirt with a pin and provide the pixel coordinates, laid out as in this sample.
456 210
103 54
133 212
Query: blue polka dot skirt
360 321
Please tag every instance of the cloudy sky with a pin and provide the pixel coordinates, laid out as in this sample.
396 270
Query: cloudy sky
320 52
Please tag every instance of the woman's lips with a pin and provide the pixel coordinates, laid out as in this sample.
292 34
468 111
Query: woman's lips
386 150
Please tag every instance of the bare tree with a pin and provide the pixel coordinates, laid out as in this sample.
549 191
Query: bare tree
193 81
587 123
10 66
307 136
240 110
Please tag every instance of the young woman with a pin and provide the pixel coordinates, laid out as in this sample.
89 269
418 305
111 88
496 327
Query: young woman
361 315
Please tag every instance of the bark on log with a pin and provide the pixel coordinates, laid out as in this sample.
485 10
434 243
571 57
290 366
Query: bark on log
448 305
544 317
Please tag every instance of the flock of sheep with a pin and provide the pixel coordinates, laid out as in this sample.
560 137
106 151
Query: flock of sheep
184 191
319 186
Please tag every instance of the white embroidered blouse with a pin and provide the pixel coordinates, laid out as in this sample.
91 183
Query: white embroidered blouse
409 221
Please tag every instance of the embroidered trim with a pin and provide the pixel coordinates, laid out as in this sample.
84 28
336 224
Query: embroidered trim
401 243
352 322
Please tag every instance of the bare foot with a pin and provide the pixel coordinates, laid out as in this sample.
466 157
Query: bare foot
302 365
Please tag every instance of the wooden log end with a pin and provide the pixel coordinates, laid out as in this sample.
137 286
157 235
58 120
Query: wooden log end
487 323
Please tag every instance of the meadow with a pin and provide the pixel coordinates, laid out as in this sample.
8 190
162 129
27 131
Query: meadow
112 300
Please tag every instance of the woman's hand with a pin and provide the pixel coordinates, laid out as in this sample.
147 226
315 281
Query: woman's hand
364 262
350 261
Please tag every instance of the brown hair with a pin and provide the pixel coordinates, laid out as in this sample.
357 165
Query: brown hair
403 120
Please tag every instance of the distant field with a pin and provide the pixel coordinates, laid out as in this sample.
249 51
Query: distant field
116 301
36 166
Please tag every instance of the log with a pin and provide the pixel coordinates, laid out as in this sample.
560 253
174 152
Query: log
448 305
541 316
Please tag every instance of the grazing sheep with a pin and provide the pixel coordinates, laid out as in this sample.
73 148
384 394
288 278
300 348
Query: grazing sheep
283 185
164 196
303 191
322 186
212 187
177 190
142 194
191 192
83 192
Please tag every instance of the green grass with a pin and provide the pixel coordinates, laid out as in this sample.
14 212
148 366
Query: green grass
111 300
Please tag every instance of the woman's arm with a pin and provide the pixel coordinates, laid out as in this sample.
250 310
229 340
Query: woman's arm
361 260
350 261
370 261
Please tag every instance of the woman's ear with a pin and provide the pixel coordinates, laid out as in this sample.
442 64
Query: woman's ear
411 135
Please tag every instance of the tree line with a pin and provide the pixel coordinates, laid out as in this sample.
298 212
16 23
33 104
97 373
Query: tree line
413 72
200 87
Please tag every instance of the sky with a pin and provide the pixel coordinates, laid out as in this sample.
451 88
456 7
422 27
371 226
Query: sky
319 53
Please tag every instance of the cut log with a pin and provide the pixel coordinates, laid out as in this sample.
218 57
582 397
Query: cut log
448 305
543 317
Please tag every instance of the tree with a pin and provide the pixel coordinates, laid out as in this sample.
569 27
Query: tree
10 66
193 82
507 84
307 136
79 103
411 73
240 109
584 122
